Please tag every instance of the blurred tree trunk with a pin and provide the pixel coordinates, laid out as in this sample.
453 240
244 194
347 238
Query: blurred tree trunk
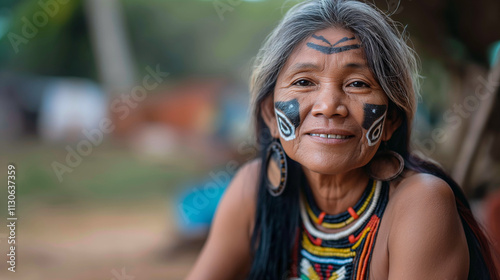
110 44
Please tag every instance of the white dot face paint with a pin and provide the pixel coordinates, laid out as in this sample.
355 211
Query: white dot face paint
374 122
288 118
374 134
286 128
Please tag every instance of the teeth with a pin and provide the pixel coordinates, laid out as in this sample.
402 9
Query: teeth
330 136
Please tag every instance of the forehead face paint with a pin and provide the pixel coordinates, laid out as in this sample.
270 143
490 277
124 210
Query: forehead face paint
288 118
331 48
374 122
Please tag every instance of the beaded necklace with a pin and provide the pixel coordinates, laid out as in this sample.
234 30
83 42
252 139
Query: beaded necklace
345 254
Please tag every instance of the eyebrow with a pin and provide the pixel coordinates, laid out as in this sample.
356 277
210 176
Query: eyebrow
355 65
304 66
311 66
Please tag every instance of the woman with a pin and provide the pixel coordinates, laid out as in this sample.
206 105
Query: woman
337 193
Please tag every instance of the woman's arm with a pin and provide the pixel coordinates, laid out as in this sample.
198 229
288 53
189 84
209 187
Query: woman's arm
426 240
227 253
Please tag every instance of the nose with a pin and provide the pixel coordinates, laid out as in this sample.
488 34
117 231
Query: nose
329 102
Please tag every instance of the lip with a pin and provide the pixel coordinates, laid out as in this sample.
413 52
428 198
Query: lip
330 131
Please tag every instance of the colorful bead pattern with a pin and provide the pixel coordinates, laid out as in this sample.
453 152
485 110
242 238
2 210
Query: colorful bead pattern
345 254
340 220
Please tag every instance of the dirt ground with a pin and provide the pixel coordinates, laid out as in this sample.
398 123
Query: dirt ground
117 241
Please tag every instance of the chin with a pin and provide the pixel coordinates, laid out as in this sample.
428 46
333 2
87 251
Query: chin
327 166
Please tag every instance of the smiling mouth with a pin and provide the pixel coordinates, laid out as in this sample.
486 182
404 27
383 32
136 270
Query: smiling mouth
331 136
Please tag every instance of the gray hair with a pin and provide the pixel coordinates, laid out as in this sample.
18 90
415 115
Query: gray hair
392 62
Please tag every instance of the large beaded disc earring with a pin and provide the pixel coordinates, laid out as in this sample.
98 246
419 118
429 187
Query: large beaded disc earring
276 168
386 165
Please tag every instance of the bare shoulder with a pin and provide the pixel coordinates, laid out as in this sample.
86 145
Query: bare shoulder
419 191
423 199
227 252
240 198
242 191
426 239
246 179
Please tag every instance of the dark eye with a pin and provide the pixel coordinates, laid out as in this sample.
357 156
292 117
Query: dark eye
359 84
303 83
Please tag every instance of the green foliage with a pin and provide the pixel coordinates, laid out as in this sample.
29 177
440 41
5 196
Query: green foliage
58 45
188 37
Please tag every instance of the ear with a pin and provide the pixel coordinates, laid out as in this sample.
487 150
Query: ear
392 122
269 116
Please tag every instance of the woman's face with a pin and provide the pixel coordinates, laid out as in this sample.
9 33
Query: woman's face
329 111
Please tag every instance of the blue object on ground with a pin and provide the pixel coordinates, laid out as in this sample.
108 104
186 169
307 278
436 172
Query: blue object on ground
494 54
196 207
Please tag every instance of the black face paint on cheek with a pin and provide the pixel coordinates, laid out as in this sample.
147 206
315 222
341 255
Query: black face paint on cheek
331 48
374 122
288 118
